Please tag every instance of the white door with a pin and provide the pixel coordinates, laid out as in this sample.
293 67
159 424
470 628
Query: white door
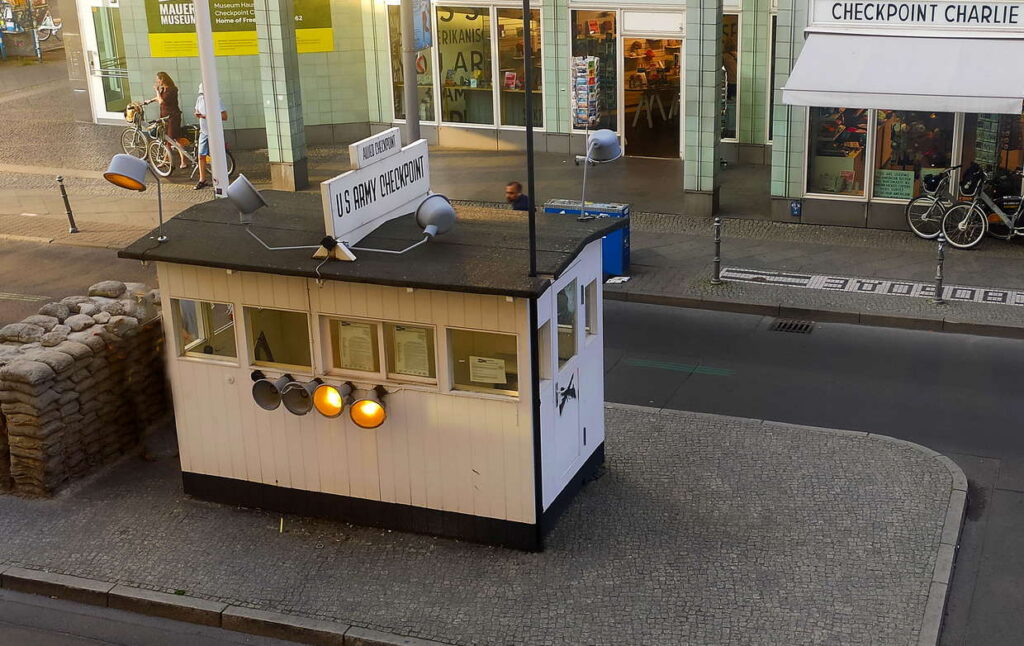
568 436
103 42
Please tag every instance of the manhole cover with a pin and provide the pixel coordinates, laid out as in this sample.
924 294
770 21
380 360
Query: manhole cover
792 325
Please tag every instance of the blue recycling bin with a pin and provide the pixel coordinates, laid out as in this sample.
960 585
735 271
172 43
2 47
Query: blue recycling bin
615 246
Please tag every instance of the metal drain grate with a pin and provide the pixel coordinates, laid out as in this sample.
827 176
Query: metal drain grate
792 325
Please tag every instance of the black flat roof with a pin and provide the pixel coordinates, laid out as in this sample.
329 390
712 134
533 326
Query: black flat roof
486 252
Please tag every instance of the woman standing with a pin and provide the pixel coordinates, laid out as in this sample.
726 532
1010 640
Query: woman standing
167 97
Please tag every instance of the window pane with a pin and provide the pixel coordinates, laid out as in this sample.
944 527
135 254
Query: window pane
277 337
566 323
908 146
511 72
483 361
838 137
410 350
204 328
464 60
590 300
996 142
730 42
424 72
354 345
594 70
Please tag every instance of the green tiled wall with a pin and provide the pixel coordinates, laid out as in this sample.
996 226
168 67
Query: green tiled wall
790 122
703 94
755 66
283 100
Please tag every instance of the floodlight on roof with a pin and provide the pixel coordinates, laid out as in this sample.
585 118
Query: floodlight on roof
244 196
129 172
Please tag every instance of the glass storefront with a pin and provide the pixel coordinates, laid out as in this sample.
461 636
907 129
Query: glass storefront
652 72
730 51
511 70
594 71
424 71
996 142
837 141
908 146
464 64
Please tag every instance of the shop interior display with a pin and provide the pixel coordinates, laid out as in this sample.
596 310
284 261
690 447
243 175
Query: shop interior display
909 146
512 71
594 36
838 139
651 77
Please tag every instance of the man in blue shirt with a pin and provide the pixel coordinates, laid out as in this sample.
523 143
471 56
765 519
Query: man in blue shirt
514 195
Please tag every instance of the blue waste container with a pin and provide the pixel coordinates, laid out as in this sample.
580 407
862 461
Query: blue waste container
615 246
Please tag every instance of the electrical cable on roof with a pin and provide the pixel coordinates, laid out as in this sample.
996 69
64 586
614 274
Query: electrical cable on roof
269 248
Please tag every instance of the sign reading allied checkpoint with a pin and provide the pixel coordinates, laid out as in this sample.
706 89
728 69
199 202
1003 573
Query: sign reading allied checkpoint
387 183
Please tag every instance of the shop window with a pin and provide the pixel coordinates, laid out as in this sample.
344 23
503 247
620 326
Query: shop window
464 61
590 308
204 329
410 351
730 78
484 362
837 141
996 142
511 70
424 71
593 68
908 146
278 338
566 304
354 345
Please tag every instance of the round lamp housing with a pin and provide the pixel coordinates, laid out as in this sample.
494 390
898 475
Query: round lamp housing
330 401
267 393
435 215
244 196
368 410
297 397
603 146
127 171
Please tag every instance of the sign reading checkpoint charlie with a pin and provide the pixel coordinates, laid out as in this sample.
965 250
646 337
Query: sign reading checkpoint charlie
172 27
935 14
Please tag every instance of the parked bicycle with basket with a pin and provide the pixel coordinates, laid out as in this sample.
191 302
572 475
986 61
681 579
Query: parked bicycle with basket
135 139
161 158
988 211
925 212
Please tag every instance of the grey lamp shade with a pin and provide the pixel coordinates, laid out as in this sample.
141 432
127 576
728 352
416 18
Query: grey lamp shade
603 146
244 196
435 215
127 171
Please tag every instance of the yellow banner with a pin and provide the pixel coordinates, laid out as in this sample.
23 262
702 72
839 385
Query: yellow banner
308 41
173 45
236 43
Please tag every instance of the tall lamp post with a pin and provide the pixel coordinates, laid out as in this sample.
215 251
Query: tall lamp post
531 204
211 90
129 172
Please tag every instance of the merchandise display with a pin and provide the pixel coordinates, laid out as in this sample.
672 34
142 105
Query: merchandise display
908 146
836 160
594 39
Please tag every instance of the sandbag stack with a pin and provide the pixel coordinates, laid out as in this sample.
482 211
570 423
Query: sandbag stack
79 383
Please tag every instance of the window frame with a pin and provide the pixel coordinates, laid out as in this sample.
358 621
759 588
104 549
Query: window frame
463 390
327 348
576 349
274 365
391 66
739 75
954 156
385 350
181 351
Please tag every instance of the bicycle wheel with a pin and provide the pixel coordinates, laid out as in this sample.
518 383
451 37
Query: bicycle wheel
924 216
231 163
43 33
964 225
160 159
133 142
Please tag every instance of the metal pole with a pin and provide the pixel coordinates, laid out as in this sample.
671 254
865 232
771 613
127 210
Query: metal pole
211 90
531 204
35 34
72 228
716 277
938 300
411 95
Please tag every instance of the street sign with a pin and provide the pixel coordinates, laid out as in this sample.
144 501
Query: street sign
376 148
359 201
422 36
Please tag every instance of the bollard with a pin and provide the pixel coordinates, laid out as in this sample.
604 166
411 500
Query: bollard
716 277
67 205
938 300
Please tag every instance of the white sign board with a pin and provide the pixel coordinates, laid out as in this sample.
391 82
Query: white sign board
944 15
376 148
359 201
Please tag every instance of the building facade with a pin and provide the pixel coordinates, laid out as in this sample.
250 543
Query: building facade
697 80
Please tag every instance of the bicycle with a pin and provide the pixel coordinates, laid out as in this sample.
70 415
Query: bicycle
162 159
925 212
135 138
46 26
966 224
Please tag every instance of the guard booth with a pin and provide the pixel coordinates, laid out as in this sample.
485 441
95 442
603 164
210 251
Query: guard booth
442 390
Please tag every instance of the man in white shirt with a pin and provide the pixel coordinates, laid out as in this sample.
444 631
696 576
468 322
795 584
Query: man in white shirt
204 138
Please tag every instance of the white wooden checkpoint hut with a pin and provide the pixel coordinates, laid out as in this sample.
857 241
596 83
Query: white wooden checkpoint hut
485 385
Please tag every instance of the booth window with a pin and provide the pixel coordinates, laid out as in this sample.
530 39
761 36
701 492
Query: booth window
594 70
511 70
730 78
837 140
566 303
278 338
996 142
464 62
590 308
410 350
908 146
204 329
484 362
424 71
544 350
354 345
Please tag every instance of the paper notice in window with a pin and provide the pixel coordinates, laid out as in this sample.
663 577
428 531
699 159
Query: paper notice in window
356 340
485 370
412 356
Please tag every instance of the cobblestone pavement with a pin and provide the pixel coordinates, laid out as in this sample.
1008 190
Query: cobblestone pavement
702 530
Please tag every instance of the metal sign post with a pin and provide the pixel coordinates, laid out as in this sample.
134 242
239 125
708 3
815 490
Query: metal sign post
211 90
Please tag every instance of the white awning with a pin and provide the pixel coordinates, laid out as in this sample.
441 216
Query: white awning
908 73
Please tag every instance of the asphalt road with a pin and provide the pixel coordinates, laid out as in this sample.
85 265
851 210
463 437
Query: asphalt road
955 394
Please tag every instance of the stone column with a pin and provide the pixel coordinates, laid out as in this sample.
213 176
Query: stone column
282 96
789 128
755 70
704 87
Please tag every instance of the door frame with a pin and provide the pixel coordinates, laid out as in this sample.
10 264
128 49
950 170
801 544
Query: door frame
90 49
620 65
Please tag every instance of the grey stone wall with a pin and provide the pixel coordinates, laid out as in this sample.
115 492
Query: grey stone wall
79 383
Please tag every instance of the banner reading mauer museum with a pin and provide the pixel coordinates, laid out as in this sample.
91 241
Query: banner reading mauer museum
172 27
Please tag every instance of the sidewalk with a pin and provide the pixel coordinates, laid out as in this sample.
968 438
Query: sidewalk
702 530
